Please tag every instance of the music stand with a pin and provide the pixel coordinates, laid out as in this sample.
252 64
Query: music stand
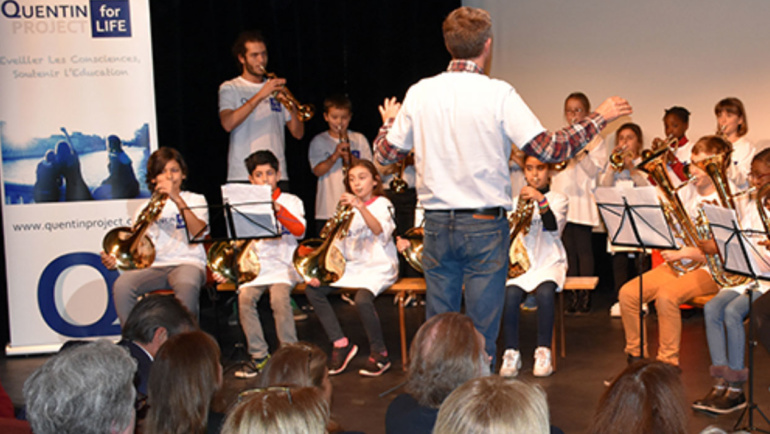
248 213
740 256
634 218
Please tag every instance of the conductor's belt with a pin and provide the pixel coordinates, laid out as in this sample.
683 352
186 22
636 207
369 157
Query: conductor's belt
496 211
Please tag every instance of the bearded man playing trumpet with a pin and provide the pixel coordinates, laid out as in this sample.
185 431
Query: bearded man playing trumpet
682 277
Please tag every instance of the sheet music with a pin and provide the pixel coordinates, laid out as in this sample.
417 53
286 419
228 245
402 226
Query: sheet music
731 242
653 229
252 209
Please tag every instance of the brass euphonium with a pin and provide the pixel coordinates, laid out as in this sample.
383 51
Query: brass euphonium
321 258
673 209
519 222
715 167
234 260
304 111
130 247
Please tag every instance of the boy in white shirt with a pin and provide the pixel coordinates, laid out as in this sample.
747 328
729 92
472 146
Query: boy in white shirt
276 267
330 151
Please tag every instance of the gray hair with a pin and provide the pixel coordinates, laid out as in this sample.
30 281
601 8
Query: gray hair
446 352
85 389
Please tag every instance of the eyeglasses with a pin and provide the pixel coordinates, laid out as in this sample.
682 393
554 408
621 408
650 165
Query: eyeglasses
573 111
247 393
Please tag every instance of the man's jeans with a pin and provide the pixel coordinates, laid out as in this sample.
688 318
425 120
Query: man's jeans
463 249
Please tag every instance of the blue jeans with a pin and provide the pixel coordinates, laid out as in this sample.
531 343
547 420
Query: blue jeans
724 316
461 249
545 294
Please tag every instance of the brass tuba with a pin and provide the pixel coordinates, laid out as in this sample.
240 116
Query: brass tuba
130 247
305 112
519 222
235 260
715 167
321 258
676 214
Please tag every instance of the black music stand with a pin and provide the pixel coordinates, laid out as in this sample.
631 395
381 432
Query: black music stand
634 218
740 256
243 220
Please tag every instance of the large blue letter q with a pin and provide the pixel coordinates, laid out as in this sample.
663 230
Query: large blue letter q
46 297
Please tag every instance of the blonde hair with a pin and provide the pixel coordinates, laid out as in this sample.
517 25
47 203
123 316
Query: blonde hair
278 411
493 405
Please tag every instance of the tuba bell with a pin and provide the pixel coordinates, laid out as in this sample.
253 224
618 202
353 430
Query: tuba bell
519 223
234 260
130 247
321 258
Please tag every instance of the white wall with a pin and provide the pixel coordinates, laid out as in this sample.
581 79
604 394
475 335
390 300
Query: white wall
654 53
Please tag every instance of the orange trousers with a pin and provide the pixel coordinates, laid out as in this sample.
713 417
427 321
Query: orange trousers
669 290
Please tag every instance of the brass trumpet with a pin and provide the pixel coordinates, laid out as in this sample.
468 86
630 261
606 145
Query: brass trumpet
304 112
130 247
397 184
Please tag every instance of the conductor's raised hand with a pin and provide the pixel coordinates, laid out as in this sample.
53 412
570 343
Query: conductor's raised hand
389 108
613 108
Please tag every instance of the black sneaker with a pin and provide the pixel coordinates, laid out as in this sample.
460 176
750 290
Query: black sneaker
252 368
375 366
707 401
730 401
341 357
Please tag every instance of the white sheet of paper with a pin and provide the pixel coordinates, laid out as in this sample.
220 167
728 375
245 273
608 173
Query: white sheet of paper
723 222
645 208
252 206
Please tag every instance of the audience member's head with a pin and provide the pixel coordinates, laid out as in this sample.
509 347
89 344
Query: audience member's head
446 352
647 397
301 364
156 318
279 410
494 405
184 377
84 389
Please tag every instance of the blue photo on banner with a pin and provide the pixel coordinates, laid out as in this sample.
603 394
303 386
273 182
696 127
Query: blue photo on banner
110 19
68 167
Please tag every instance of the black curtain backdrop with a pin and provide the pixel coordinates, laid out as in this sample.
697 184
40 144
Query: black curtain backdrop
368 50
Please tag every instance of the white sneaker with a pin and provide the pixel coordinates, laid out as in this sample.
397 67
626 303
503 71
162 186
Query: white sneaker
543 367
511 363
615 310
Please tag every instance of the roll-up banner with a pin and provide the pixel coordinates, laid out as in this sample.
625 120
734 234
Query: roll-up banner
77 124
